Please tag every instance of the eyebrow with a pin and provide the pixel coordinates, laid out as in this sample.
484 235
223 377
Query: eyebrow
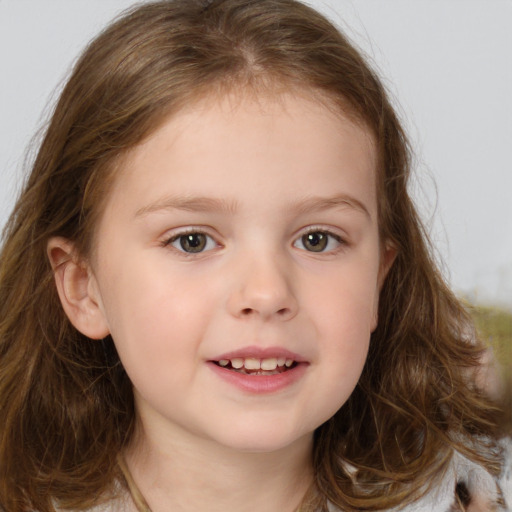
191 204
316 204
307 205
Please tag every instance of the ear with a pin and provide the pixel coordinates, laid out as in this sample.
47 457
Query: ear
77 288
387 258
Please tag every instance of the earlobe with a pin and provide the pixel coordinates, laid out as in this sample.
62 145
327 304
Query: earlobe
77 289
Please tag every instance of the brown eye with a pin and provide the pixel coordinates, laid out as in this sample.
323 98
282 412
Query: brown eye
193 242
316 241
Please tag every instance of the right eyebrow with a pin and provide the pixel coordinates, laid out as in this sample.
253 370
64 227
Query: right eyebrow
191 204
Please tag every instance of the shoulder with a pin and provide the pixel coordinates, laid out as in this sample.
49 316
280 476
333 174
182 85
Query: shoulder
505 482
482 491
116 505
122 502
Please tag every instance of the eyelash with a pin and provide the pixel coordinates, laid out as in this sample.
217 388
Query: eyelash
328 240
180 237
329 237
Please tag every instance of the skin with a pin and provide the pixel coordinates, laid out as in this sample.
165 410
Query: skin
255 176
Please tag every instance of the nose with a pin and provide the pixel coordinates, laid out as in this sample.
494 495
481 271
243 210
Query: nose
262 288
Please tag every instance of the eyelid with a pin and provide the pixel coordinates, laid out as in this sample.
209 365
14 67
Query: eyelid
177 233
331 232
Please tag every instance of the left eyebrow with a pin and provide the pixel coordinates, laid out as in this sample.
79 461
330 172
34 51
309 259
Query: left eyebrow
316 204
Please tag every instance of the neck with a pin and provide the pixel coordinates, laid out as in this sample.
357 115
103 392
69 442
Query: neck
201 475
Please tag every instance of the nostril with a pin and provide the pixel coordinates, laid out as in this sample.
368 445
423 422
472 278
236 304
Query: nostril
250 311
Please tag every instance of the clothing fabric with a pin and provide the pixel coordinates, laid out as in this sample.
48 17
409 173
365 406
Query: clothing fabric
486 493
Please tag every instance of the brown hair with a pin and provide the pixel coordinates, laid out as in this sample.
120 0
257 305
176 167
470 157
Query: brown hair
65 401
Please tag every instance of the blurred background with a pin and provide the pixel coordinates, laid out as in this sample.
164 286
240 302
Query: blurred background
447 64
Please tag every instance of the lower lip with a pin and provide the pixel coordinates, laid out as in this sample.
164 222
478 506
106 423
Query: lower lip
260 384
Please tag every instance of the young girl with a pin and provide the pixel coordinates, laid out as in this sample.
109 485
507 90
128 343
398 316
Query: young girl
216 293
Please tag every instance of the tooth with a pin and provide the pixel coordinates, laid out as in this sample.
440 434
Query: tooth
288 363
252 364
281 361
269 364
237 363
224 362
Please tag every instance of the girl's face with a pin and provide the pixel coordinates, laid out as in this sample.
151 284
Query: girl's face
238 267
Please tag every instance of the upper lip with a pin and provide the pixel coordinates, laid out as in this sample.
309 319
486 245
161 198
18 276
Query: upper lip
260 353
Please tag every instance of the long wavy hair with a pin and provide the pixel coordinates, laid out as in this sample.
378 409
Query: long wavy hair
66 403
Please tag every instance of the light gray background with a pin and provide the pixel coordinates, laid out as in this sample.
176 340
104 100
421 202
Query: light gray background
447 62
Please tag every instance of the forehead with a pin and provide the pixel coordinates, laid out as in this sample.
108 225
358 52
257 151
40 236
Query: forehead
213 145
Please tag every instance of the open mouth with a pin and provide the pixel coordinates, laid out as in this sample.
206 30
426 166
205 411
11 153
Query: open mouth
255 366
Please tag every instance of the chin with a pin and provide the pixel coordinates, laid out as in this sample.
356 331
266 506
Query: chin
265 439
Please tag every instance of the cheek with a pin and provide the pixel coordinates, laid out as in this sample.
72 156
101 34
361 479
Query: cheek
344 317
345 301
345 339
156 323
